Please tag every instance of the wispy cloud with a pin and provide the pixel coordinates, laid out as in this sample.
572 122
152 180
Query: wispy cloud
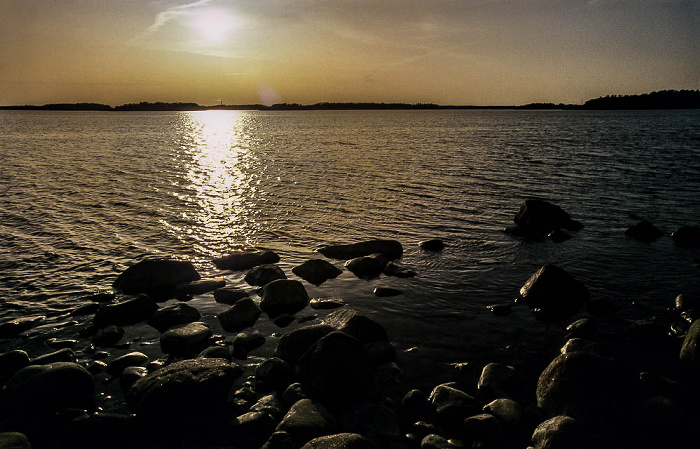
172 13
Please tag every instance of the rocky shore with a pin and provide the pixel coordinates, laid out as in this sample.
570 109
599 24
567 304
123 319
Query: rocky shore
338 383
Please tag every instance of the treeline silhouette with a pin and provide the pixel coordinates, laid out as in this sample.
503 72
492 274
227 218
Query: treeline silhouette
666 99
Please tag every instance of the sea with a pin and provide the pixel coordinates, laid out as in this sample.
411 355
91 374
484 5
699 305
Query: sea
84 195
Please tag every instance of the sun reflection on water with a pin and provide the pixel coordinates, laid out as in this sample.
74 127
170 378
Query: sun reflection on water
221 182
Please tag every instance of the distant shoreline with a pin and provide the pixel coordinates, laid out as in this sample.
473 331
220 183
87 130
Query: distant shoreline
667 99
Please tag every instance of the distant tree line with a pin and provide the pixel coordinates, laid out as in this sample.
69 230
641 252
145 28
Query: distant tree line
665 99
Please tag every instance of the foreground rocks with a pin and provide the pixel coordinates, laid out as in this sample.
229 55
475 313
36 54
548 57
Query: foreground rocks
156 277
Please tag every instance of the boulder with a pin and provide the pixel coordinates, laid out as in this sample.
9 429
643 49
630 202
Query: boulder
452 404
553 293
108 336
305 421
246 342
326 303
687 236
39 389
399 271
317 271
486 429
252 429
585 386
359 326
644 231
185 340
127 312
386 292
14 440
340 441
558 236
185 392
279 440
392 249
242 314
293 345
537 218
435 441
167 317
116 366
199 287
496 381
283 296
62 355
294 393
155 277
559 432
690 351
337 372
16 326
216 352
432 245
229 295
275 372
11 362
685 302
264 274
246 260
509 413
271 405
583 328
367 267
377 422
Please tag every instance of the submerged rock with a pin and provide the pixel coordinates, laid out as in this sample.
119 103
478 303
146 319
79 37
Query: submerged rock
392 249
687 236
199 287
432 245
242 314
155 276
264 274
537 218
283 296
246 260
386 291
367 267
357 325
644 231
317 271
399 271
62 355
246 342
554 292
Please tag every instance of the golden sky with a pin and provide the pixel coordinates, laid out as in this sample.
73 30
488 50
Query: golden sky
307 51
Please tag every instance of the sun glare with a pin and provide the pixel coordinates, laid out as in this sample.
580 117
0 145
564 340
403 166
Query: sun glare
214 25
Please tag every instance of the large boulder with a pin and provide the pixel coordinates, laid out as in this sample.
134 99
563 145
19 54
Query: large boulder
537 218
264 274
587 387
167 317
687 236
185 340
283 296
185 392
367 267
246 260
157 277
553 293
353 323
131 311
242 314
559 432
316 271
337 371
229 295
392 249
16 326
293 345
306 420
11 362
644 231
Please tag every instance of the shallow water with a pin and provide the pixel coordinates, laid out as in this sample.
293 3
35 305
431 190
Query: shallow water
85 194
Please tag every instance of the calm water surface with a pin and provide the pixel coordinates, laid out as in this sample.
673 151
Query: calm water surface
83 195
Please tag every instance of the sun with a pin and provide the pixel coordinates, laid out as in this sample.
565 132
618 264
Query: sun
214 25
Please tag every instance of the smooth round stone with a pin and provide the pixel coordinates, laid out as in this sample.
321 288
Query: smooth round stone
316 271
60 344
116 366
244 313
131 374
326 303
108 336
263 275
386 291
229 295
186 339
216 352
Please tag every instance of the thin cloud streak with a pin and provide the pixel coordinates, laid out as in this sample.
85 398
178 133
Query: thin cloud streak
172 13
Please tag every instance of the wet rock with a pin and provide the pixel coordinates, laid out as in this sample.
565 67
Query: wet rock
375 421
558 236
392 249
271 405
583 328
452 404
584 386
99 297
116 366
415 403
229 295
687 236
317 271
188 392
56 343
199 287
293 393
687 302
283 296
263 275
242 314
216 352
537 218
37 389
246 342
294 344
326 303
503 309
86 309
131 374
62 355
380 352
307 420
559 432
123 313
108 336
11 362
508 412
246 260
157 277
359 326
337 372
432 245
434 441
284 320
367 267
399 271
14 440
583 345
279 440
16 326
97 367
554 293
486 429
185 340
340 441
656 385
690 351
275 372
496 381
644 231
167 317
251 430
386 292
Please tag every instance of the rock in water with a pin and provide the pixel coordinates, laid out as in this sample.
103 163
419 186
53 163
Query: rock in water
353 323
167 317
229 295
554 293
392 249
644 231
199 287
386 291
294 344
264 274
432 245
246 260
317 271
186 392
367 267
687 236
399 271
132 311
242 314
283 296
155 277
537 218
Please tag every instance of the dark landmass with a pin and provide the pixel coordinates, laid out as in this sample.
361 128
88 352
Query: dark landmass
666 99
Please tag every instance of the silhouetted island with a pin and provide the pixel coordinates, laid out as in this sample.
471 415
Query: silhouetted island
666 99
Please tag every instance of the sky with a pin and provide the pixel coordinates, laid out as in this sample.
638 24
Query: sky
466 52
